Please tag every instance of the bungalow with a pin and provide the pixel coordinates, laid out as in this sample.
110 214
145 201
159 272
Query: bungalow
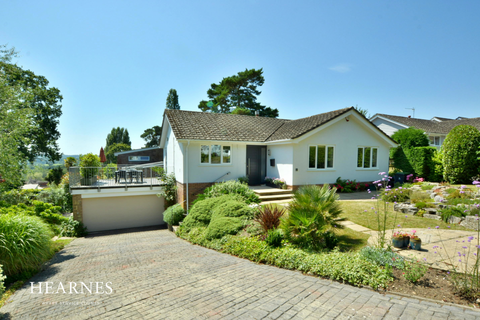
436 129
204 148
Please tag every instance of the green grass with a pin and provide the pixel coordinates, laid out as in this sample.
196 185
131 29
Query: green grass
15 282
351 240
355 211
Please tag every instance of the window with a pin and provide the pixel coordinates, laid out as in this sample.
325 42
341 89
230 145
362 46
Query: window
435 141
320 157
367 157
139 158
215 154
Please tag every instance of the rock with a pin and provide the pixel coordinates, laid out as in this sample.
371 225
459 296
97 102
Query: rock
405 208
431 210
470 222
454 220
438 199
432 216
433 195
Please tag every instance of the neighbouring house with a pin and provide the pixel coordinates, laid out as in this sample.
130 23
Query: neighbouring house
139 156
204 148
436 128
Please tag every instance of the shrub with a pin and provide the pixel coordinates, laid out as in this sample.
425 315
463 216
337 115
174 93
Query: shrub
459 154
229 187
410 138
453 211
421 159
274 238
54 176
427 186
345 185
436 174
2 279
399 194
313 211
24 243
459 194
89 164
169 188
423 205
173 215
457 201
382 257
234 209
419 196
72 228
222 226
243 180
201 212
269 217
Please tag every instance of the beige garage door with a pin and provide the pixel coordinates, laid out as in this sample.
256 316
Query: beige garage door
112 213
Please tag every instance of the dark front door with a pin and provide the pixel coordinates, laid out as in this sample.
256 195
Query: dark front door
256 164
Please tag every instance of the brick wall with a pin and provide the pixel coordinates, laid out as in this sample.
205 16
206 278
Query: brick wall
193 190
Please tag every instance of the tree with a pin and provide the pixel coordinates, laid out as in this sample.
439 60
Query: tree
70 162
152 136
117 135
238 91
117 147
241 111
40 139
364 112
460 162
54 175
172 100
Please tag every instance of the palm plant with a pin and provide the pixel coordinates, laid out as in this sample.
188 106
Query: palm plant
312 213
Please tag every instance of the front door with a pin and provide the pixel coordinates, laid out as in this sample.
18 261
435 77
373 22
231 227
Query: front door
256 164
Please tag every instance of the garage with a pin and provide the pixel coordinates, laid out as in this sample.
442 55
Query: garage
114 209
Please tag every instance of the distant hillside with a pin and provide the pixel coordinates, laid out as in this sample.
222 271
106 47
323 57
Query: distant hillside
44 160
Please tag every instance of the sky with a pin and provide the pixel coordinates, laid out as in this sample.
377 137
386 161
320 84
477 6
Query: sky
115 61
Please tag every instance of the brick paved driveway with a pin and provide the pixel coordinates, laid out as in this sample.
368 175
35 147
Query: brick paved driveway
155 275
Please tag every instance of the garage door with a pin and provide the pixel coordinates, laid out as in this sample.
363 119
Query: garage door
112 213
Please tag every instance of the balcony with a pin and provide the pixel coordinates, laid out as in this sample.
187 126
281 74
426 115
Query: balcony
116 176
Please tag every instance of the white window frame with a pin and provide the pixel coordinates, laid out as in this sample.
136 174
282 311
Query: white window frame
434 138
221 163
326 157
371 158
132 158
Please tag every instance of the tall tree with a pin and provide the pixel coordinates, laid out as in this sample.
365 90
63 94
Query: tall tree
238 91
116 147
172 100
117 135
151 136
42 135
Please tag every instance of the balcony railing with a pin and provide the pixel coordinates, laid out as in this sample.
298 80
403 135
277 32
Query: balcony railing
116 176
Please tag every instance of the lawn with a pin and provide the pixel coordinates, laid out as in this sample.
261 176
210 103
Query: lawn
363 213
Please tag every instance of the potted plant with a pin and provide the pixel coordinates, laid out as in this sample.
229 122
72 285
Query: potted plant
269 182
415 242
398 239
89 164
280 183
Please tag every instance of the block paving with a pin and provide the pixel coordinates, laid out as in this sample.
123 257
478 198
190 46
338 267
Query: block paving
155 275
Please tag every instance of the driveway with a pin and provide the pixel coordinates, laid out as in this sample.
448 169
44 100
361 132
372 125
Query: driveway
155 275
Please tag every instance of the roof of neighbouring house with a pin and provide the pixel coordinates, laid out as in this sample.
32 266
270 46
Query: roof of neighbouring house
135 150
193 125
431 126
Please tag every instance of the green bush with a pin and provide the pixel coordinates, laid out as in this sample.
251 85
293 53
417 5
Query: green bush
427 186
312 212
410 138
421 159
222 226
453 211
274 238
436 174
233 208
72 228
457 201
229 187
459 154
201 212
399 194
382 257
89 164
419 196
24 243
2 279
173 215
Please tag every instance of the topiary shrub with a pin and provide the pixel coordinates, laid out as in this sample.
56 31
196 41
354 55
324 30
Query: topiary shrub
229 187
24 243
459 154
173 215
201 212
234 209
421 159
408 139
223 226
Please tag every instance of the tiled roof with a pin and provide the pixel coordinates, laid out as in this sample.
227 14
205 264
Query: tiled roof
432 126
193 125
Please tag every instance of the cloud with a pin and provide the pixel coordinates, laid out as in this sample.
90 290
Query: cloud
342 68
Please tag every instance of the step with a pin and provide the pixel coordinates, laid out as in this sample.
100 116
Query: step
280 202
276 197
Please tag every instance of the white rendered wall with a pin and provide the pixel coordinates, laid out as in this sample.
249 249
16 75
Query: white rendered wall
283 155
173 158
346 137
201 172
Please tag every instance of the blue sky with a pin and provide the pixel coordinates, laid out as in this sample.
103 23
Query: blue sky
115 61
